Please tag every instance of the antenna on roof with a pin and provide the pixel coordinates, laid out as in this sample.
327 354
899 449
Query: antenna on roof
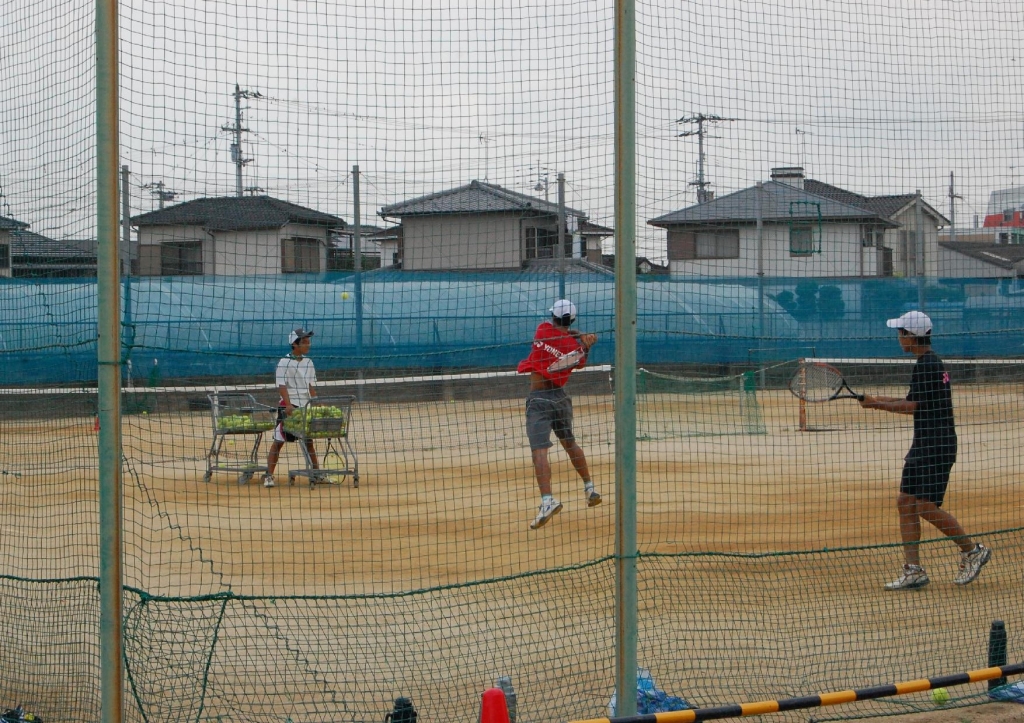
702 120
483 140
803 138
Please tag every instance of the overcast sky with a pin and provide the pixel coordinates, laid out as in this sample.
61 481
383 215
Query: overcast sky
888 97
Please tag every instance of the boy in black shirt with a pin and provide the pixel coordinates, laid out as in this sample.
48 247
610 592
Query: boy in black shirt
931 456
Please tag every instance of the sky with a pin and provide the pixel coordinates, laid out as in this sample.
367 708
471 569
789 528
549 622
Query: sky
876 97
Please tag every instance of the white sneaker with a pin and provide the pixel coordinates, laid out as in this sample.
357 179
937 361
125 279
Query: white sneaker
913 576
268 480
593 496
971 564
548 509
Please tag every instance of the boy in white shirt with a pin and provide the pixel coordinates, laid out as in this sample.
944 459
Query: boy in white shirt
295 379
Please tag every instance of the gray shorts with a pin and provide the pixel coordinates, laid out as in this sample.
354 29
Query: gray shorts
547 411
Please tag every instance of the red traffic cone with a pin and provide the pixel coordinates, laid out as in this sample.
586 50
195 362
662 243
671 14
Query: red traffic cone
494 708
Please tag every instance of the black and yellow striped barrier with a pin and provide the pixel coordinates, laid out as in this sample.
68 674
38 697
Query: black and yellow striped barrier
816 701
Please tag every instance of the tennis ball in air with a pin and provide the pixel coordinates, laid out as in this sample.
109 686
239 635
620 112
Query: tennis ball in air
344 294
940 696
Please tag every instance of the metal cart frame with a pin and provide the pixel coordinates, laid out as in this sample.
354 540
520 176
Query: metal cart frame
263 418
335 431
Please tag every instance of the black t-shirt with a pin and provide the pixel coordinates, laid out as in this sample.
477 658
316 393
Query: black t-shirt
934 429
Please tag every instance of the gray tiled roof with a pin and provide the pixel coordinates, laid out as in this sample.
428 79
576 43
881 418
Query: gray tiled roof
29 244
474 197
593 229
236 213
9 224
886 206
1002 255
781 203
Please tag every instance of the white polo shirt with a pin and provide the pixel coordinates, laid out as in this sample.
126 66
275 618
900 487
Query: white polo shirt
296 375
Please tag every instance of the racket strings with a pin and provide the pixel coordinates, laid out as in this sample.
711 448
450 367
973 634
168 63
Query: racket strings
817 383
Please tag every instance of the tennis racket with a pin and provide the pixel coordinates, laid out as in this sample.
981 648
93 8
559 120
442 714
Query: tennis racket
568 361
817 382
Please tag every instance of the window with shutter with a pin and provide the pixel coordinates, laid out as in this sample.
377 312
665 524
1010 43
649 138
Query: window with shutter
300 256
181 258
681 246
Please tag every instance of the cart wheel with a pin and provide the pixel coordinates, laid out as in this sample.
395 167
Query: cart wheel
291 479
355 482
208 476
244 478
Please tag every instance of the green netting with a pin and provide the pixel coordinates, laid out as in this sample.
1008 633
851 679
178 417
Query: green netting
672 406
417 183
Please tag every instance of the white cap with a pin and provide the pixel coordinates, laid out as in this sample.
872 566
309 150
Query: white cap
913 322
296 334
563 307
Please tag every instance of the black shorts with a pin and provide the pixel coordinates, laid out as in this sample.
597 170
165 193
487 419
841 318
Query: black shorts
926 478
279 434
547 411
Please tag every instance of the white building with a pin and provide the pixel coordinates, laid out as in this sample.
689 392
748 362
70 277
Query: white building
482 226
796 227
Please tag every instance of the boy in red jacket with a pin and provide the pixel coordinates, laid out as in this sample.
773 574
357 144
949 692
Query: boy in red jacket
548 407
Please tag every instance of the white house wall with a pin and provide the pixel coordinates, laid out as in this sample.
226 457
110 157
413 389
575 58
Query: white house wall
841 255
246 253
462 242
908 222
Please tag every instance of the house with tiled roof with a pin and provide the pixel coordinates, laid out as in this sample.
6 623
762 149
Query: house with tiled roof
484 226
791 226
232 236
7 227
26 254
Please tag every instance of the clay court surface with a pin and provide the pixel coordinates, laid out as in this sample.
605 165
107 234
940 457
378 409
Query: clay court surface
447 492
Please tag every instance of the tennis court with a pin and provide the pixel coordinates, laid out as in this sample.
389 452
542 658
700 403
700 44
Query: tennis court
754 547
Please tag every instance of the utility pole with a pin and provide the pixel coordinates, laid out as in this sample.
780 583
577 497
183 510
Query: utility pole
561 235
702 120
952 209
237 129
542 180
357 262
128 333
126 227
161 192
919 241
